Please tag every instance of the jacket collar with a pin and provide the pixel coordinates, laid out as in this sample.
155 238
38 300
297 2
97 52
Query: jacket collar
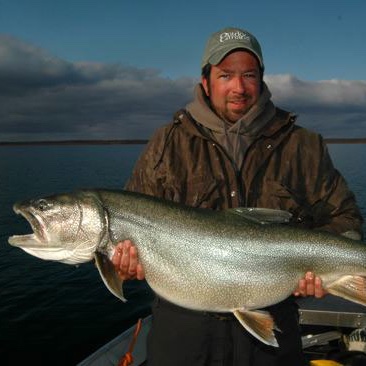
282 120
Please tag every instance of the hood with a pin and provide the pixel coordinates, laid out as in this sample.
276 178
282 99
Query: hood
250 124
234 138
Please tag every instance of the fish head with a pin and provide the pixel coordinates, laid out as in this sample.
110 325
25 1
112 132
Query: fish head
66 227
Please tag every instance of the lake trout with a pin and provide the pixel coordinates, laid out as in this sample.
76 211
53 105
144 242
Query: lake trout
238 260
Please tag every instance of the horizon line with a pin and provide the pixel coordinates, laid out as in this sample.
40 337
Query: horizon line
329 140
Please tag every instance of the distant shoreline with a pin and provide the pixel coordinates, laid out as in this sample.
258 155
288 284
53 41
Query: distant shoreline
143 141
74 142
345 141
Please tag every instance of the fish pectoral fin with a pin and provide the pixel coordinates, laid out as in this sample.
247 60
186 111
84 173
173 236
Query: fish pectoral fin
260 324
262 215
350 287
109 275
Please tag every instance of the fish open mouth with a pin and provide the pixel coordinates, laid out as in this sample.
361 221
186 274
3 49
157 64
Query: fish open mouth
39 233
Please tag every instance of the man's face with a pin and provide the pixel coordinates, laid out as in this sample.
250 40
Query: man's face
234 85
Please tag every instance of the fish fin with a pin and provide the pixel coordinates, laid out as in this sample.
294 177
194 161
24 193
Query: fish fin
349 287
260 324
352 234
262 215
109 275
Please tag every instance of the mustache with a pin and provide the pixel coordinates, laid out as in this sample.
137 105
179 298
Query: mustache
239 100
242 98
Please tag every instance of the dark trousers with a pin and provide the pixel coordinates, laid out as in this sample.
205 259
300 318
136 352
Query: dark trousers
181 337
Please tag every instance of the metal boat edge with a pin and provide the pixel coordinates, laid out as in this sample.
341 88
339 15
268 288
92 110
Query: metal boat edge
111 353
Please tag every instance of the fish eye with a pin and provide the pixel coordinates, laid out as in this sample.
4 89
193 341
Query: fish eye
43 205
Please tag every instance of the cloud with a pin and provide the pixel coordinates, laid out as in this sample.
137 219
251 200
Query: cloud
45 97
335 108
24 67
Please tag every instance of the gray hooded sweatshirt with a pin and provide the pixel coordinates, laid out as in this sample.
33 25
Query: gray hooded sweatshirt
234 138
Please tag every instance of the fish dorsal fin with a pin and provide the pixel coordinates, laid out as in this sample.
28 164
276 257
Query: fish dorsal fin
349 287
109 275
262 215
260 324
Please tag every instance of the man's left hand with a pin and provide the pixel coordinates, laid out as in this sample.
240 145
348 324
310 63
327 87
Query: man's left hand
310 285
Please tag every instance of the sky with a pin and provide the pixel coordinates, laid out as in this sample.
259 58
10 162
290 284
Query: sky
116 69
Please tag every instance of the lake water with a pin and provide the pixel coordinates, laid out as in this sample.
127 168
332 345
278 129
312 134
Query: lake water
55 314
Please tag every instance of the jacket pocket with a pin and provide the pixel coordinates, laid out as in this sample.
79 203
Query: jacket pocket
278 195
204 192
197 191
275 194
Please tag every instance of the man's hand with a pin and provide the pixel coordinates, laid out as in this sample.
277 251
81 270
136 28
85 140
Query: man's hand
125 259
310 285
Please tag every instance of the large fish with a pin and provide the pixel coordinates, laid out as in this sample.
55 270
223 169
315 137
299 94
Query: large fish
238 260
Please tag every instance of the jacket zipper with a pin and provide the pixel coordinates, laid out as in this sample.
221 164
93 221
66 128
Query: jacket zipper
240 191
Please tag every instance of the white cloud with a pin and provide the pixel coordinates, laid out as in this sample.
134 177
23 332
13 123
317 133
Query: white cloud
44 97
335 108
325 93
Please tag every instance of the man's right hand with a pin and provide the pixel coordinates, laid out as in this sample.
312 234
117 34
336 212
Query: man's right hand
125 260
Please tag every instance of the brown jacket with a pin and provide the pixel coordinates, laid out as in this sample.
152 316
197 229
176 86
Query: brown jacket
287 167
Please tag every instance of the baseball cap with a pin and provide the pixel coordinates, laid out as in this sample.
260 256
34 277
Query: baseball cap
222 42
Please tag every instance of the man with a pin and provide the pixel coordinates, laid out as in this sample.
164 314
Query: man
232 147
